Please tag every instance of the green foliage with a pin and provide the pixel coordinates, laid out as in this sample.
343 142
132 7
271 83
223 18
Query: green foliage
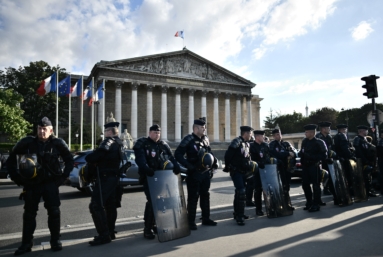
24 81
291 123
12 122
324 114
270 121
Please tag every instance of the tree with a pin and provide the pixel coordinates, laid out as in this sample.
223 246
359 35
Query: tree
291 123
12 122
270 120
24 81
324 114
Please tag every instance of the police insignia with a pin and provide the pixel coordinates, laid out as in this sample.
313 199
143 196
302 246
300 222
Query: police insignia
153 153
277 149
261 155
195 147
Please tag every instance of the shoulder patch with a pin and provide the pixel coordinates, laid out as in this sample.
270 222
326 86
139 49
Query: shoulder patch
186 140
140 142
236 142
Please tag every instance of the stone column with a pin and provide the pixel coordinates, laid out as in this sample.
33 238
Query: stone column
191 110
216 117
249 119
117 106
164 114
203 104
238 113
227 117
133 115
149 107
178 115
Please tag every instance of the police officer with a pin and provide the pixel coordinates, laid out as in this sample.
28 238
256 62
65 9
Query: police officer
44 182
259 151
283 151
103 204
324 134
380 159
344 152
250 185
362 151
237 158
197 181
150 153
313 150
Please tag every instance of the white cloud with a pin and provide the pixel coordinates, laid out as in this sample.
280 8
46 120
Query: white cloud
361 31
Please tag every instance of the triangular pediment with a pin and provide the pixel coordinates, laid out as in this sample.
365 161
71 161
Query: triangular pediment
182 64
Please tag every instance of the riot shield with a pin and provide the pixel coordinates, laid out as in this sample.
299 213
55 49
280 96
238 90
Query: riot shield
169 207
342 192
275 201
359 187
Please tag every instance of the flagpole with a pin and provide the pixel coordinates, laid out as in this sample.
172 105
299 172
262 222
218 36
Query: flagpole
70 114
92 120
81 112
103 104
57 104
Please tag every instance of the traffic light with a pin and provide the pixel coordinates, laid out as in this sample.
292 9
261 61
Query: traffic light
370 86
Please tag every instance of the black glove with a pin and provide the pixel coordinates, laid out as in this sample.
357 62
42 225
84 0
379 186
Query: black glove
215 163
22 195
191 168
176 169
149 171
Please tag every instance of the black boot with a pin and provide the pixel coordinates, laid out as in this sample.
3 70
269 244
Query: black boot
111 215
205 208
29 226
149 221
54 228
100 222
288 201
192 209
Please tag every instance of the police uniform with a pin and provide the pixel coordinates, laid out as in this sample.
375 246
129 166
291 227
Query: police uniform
312 152
329 187
259 153
44 182
379 149
362 151
281 151
344 153
150 157
103 204
197 181
237 160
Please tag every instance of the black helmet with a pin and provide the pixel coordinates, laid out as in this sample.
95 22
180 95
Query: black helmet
167 165
324 177
27 166
206 159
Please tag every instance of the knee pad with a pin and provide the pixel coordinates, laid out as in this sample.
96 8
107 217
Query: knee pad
94 207
54 211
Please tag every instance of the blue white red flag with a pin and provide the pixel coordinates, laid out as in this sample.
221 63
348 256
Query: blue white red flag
98 95
179 34
76 89
47 85
87 92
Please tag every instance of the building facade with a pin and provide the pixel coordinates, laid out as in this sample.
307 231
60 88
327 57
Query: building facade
172 89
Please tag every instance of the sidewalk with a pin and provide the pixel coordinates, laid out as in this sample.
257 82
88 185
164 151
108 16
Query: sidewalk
334 231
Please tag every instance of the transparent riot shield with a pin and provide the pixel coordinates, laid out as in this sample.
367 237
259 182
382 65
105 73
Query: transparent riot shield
169 207
359 187
275 201
342 192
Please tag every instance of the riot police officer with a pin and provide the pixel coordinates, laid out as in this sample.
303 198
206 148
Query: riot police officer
197 181
313 150
344 152
324 134
103 206
151 152
380 159
283 151
237 162
34 163
362 151
259 151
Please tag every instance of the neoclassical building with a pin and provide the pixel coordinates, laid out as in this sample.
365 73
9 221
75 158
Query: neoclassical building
172 89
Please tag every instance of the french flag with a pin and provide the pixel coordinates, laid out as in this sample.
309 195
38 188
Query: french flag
87 92
48 85
179 34
97 96
76 89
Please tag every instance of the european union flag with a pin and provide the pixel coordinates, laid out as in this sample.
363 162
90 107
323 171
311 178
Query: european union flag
64 86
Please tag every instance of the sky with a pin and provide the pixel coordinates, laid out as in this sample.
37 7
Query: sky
295 51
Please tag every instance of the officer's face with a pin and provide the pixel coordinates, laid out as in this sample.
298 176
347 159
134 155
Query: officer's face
199 130
246 135
343 130
310 134
43 133
155 135
326 130
108 133
363 132
277 136
259 139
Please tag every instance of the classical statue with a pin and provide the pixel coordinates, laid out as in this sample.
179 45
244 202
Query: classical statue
127 139
110 118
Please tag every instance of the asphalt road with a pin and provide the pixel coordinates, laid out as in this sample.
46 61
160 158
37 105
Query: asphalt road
76 221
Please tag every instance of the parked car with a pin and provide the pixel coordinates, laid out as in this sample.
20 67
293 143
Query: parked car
130 178
297 169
